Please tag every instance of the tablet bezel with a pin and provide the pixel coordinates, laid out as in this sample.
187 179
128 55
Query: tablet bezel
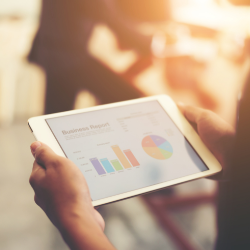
42 132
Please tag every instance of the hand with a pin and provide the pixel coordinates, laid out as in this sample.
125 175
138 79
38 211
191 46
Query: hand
216 134
62 192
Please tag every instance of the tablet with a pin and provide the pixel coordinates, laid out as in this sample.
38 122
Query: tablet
128 148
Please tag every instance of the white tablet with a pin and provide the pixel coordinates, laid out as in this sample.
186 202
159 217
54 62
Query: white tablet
128 148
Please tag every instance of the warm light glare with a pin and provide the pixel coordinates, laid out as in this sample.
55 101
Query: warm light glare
212 14
21 7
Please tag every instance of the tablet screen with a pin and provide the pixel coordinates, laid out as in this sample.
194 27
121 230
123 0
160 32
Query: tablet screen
125 148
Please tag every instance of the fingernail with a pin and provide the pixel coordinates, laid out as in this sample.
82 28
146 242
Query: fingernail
34 146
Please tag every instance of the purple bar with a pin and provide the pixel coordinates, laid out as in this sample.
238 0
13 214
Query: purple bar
97 165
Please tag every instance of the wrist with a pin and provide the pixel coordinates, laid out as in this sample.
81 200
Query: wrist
73 214
81 231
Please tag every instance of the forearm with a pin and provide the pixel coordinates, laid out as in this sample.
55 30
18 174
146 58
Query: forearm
84 233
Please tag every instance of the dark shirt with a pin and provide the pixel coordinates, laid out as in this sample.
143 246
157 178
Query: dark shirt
234 194
65 26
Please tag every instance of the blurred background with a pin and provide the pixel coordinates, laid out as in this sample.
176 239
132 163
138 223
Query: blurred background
196 51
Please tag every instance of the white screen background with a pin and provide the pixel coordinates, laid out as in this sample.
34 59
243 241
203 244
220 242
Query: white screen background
126 127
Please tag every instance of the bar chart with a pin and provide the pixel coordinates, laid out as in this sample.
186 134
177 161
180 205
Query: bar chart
126 159
98 167
121 156
106 164
131 157
117 165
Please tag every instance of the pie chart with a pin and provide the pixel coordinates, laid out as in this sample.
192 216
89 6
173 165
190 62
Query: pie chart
157 147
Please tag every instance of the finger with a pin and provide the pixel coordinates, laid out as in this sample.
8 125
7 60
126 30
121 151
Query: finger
34 146
99 219
192 114
36 166
39 202
44 155
37 176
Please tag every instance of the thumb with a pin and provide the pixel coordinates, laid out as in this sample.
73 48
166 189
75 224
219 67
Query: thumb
43 154
193 114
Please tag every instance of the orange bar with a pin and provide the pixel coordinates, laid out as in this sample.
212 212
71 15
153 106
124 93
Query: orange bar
131 157
121 156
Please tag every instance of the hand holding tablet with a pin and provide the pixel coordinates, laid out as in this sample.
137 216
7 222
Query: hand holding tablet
216 134
128 148
62 192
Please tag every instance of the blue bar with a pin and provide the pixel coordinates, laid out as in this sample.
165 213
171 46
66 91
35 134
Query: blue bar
106 164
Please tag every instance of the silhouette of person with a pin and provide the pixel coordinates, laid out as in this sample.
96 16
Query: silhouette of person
60 47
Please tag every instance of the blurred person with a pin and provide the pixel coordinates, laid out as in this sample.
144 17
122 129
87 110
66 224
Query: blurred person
61 190
234 188
60 47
